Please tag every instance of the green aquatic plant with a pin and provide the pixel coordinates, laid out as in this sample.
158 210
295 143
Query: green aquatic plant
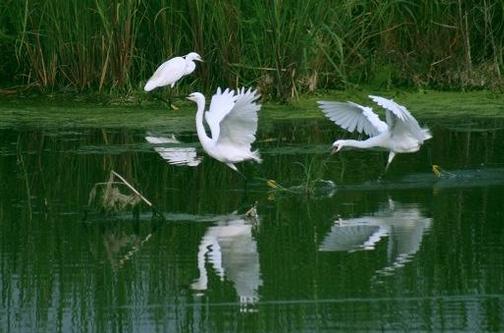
312 183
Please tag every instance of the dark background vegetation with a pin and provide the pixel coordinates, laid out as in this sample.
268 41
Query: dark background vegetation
284 47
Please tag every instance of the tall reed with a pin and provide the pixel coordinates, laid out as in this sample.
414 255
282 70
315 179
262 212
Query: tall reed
284 47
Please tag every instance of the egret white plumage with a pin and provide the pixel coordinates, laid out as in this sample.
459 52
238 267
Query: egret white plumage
232 119
172 70
400 134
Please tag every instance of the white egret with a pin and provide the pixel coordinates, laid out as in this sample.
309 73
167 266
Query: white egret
400 134
174 155
172 70
232 118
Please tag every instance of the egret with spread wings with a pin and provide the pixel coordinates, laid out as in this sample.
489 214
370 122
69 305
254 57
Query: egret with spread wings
399 134
232 119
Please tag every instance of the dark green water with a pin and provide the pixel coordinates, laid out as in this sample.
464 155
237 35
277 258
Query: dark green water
407 252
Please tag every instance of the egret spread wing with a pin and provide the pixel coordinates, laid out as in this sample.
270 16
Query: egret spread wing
239 125
174 155
398 117
220 106
167 73
353 117
156 140
348 237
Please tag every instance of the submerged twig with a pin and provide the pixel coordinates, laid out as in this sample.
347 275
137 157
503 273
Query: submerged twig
131 188
114 200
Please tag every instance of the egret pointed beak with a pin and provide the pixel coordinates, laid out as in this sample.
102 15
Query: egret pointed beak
334 150
336 146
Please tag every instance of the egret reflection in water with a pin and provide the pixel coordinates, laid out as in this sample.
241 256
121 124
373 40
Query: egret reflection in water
175 154
231 249
403 225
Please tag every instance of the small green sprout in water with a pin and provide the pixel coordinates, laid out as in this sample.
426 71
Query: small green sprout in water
311 185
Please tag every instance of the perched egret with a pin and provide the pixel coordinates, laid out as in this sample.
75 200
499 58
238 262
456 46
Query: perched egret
172 70
232 118
400 134
174 155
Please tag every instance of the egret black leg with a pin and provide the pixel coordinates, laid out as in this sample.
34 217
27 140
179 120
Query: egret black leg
242 175
390 158
159 97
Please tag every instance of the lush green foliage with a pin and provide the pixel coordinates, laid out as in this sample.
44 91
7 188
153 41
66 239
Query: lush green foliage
284 47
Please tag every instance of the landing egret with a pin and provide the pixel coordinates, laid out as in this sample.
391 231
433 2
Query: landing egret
232 118
172 70
400 134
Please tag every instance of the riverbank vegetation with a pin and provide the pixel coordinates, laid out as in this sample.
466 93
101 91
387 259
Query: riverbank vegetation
285 48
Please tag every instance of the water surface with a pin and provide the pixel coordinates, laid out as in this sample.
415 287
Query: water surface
406 251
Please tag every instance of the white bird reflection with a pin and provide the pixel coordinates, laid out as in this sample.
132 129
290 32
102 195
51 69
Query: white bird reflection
174 155
231 249
404 225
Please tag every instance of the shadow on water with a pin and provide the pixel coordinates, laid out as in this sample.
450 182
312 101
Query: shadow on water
412 251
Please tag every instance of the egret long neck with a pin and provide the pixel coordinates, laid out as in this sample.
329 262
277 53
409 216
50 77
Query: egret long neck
369 143
190 66
200 128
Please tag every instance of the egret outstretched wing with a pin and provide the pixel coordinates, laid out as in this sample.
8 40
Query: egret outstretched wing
156 140
350 237
239 125
174 155
167 73
353 117
220 106
398 113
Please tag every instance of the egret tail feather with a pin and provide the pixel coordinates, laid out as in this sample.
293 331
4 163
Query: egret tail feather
427 134
256 156
232 166
149 86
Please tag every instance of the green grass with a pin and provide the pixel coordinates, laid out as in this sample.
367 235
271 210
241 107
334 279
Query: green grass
42 112
286 48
